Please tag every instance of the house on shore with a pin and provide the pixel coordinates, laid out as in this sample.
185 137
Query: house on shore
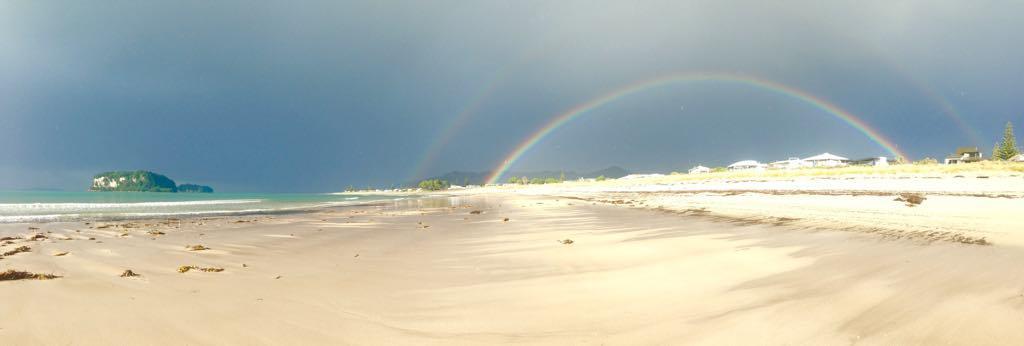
699 170
747 165
964 155
642 176
827 160
880 161
790 163
1017 158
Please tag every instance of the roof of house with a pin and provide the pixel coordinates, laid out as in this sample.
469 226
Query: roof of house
745 163
825 157
789 160
965 150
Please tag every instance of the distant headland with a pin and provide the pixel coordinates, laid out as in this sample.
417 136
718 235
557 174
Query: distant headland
141 181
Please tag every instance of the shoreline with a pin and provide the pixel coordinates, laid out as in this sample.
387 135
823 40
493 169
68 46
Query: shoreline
615 263
497 269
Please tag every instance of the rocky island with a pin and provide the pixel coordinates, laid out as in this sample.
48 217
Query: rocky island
195 188
141 181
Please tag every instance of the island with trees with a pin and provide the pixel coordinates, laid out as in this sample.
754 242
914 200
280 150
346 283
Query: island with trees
141 181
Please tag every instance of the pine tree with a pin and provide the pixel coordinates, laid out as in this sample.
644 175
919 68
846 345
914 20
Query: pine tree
1008 148
561 178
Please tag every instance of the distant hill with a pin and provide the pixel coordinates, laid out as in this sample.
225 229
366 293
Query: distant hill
477 178
613 172
140 181
195 188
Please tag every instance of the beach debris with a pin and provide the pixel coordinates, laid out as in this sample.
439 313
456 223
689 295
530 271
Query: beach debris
11 275
62 253
185 269
245 265
30 228
91 238
8 238
505 220
196 247
155 232
567 241
16 251
781 221
356 256
36 237
278 277
128 273
910 198
476 212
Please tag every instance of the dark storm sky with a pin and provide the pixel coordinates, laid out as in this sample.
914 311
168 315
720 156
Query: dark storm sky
276 96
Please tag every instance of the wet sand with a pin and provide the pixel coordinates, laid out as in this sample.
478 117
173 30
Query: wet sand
432 272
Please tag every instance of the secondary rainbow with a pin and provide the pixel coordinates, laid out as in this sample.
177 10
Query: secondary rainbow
466 114
630 89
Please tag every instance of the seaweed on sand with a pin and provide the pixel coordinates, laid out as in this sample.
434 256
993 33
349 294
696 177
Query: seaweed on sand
185 269
16 251
196 248
11 275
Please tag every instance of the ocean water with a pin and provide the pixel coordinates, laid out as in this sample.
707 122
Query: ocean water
19 206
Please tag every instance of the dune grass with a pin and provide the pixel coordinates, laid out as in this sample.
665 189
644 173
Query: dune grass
977 168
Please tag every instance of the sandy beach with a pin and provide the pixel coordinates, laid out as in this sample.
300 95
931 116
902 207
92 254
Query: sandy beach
551 265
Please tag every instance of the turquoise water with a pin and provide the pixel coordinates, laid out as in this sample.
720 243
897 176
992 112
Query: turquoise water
20 206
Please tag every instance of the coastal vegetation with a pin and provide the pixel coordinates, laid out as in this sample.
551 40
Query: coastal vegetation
981 168
434 184
524 180
1007 148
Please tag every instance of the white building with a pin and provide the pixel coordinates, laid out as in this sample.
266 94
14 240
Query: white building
642 176
827 160
790 163
699 170
747 165
1018 158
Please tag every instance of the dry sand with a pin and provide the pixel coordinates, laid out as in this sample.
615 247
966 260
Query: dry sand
432 272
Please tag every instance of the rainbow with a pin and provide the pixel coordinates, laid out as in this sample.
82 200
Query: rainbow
947 108
630 89
449 132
